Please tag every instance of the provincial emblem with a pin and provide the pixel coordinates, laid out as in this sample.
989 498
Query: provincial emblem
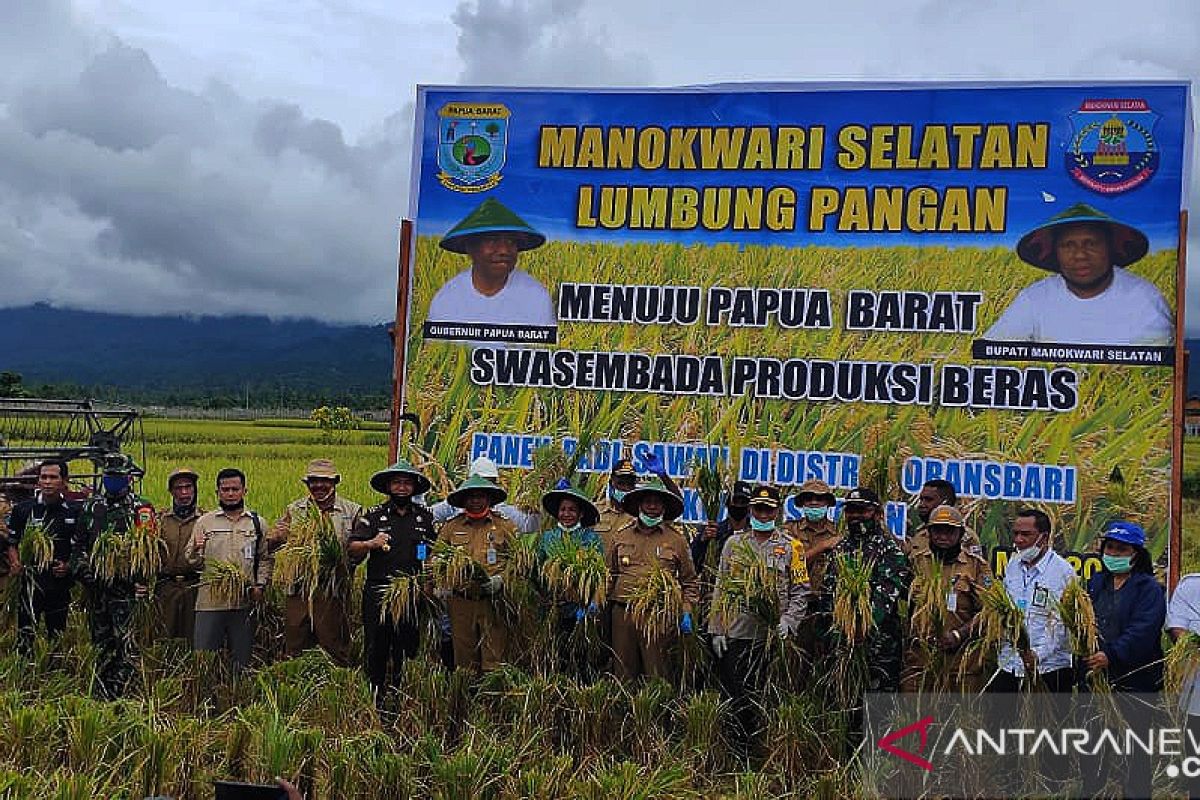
1112 149
472 139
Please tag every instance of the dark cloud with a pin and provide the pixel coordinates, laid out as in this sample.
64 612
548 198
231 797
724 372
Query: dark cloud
119 191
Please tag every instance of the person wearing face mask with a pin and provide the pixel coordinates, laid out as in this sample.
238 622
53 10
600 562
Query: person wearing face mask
1035 579
889 581
647 539
177 584
574 514
111 598
478 632
621 480
814 531
740 644
935 492
395 537
320 619
963 575
713 535
232 534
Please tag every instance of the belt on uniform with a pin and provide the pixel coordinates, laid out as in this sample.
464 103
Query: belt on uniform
179 577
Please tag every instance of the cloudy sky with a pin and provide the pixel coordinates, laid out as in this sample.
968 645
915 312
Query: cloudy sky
211 156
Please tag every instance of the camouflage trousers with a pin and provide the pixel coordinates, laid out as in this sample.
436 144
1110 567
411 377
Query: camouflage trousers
110 621
885 658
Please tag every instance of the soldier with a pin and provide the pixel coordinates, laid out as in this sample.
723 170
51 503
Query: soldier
648 539
935 492
319 618
395 537
178 582
111 597
621 480
45 591
961 577
890 579
479 635
740 643
235 536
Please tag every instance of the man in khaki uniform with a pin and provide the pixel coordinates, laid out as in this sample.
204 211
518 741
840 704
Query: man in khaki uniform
478 633
934 492
178 581
321 619
621 481
936 658
234 535
814 532
645 540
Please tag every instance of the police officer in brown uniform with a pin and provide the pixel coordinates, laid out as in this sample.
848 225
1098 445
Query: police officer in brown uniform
178 581
647 539
478 633
323 620
940 661
621 481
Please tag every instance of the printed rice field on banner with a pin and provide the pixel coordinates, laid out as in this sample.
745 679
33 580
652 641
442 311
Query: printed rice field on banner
859 284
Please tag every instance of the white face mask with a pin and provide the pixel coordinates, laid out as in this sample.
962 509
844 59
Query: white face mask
1030 554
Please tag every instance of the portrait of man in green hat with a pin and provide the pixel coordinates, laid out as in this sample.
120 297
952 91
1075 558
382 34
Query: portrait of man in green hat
1091 298
492 291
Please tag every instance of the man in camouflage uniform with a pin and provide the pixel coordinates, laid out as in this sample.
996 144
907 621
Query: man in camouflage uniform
871 543
111 598
479 635
178 582
395 537
645 540
937 658
935 492
320 619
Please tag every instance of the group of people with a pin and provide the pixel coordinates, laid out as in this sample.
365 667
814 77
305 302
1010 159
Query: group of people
635 528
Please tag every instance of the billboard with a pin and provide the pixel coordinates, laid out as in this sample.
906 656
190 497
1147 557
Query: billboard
875 284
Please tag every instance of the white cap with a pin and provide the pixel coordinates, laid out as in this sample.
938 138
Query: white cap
484 467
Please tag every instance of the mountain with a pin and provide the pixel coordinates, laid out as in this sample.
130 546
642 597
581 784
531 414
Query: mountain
176 358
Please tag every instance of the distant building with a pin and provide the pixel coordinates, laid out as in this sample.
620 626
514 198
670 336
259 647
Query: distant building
1191 416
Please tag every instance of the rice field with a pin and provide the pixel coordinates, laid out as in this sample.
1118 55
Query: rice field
1121 420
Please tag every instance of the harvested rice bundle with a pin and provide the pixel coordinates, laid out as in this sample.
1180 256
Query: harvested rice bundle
1182 662
852 615
710 485
225 581
36 548
656 603
401 601
453 569
748 587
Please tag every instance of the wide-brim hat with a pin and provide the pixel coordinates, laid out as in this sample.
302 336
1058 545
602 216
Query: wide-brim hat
476 483
182 472
948 516
1037 247
672 503
817 488
379 481
491 216
589 515
321 468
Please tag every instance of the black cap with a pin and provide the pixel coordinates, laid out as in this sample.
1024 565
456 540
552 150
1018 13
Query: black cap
624 467
741 490
861 495
764 495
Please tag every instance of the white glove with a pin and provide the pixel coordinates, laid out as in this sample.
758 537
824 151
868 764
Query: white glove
495 584
784 630
718 645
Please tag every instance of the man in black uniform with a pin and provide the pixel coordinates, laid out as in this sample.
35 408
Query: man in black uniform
396 537
46 588
112 597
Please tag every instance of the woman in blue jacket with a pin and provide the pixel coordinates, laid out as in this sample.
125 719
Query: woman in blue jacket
574 514
1131 607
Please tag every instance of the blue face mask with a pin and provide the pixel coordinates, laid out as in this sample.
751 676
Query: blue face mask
1118 564
568 528
650 522
114 484
814 514
762 525
617 495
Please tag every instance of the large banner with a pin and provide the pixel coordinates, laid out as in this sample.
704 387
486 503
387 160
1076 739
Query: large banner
864 284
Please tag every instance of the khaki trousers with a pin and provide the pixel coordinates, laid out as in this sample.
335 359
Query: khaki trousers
326 625
635 654
175 609
480 638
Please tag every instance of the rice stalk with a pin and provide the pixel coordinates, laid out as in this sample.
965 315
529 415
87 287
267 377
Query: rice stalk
225 581
926 603
750 586
1181 663
36 548
401 599
575 572
133 554
453 568
852 616
1078 616
656 603
1000 620
312 558
710 480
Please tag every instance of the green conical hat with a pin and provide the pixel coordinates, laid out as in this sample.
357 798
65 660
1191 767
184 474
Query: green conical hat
672 503
379 481
458 498
589 515
1037 247
491 216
